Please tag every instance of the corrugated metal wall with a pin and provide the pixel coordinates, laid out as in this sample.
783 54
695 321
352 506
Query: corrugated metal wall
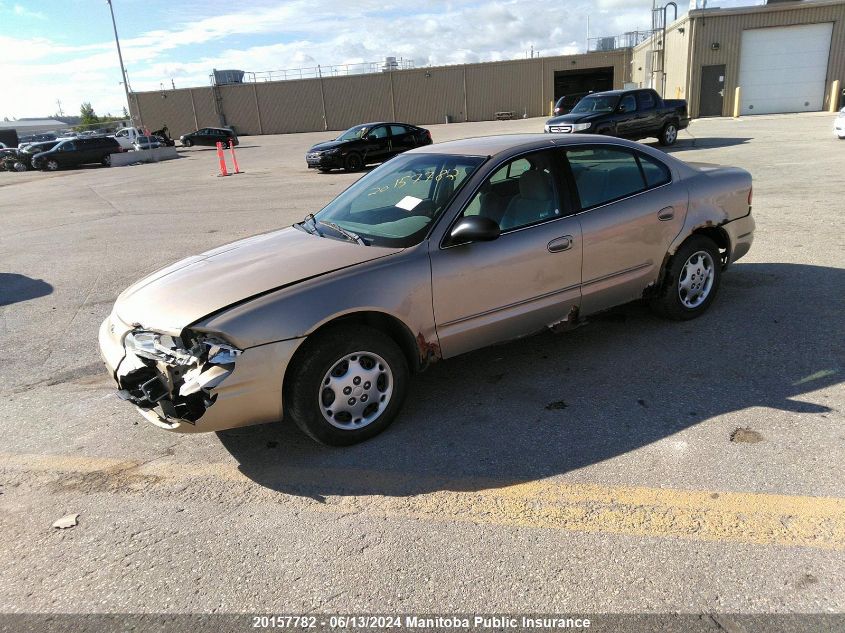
473 92
290 106
726 30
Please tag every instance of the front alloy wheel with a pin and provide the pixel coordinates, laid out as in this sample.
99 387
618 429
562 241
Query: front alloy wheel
51 165
356 390
346 384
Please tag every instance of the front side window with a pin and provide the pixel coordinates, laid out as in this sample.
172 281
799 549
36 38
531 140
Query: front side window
520 193
396 204
378 132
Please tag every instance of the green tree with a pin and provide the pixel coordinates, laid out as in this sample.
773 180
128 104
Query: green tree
89 117
125 113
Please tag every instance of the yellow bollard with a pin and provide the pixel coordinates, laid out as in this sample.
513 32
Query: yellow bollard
677 92
737 101
834 96
551 108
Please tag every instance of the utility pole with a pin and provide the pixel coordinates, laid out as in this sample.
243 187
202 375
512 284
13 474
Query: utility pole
59 103
120 57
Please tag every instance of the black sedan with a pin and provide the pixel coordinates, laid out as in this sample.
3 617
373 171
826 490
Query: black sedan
366 144
209 136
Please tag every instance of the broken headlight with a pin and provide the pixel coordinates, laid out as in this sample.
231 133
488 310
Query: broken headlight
175 373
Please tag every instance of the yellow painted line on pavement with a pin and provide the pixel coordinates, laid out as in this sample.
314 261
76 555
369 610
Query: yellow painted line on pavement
764 519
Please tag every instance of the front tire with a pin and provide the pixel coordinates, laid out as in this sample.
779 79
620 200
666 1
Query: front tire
106 162
51 165
346 385
669 134
353 162
691 281
187 143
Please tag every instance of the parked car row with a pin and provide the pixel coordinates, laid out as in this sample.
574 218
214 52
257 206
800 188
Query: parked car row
58 153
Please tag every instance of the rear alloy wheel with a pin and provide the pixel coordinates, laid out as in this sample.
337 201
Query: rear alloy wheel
346 385
51 165
669 134
106 162
353 162
691 281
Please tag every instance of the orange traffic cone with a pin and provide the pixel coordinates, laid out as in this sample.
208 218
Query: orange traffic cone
222 158
234 158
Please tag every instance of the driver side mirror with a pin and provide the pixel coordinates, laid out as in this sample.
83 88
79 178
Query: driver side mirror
474 228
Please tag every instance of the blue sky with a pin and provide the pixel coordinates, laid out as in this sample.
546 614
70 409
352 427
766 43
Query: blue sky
64 49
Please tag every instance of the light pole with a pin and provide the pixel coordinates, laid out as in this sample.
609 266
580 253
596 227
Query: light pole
120 57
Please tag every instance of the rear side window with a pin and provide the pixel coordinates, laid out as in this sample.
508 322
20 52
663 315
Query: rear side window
656 173
398 130
646 100
628 103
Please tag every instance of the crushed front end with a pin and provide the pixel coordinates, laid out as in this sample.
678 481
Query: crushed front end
174 376
194 381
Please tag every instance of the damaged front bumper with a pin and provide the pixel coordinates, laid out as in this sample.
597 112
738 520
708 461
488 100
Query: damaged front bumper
203 384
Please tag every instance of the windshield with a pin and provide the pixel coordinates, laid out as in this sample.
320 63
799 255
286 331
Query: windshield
395 204
596 104
39 147
353 133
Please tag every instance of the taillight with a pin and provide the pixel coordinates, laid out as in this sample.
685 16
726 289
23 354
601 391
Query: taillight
428 134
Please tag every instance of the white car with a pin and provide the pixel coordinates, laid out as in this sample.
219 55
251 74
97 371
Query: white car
839 124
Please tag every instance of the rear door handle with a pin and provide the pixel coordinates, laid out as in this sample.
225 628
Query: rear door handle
559 244
667 213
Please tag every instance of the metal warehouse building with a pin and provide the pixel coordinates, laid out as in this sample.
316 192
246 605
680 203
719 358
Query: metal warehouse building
783 57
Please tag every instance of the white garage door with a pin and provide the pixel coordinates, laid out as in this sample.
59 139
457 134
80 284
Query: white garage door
784 69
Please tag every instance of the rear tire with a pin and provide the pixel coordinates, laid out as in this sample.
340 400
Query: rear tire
691 281
669 134
329 410
353 162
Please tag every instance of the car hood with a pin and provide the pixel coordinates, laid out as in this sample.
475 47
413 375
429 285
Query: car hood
321 147
576 118
176 296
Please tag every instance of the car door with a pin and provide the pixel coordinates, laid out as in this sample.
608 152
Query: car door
648 122
630 212
626 116
376 144
401 139
523 281
66 154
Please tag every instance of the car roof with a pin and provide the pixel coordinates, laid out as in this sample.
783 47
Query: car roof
494 145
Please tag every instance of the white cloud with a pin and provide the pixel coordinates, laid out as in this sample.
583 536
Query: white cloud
308 33
22 12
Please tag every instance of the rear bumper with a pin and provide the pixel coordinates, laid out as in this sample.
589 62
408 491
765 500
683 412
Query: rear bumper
741 234
251 394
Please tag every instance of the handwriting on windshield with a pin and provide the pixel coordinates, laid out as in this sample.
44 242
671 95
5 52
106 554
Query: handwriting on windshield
423 176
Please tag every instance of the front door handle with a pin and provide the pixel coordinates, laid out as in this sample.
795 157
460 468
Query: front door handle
666 214
559 244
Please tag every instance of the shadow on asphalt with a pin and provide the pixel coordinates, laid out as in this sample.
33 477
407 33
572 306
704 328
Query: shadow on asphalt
684 144
551 404
15 288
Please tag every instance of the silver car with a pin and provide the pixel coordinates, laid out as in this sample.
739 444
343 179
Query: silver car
442 250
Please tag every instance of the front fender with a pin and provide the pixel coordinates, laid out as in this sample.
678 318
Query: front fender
398 286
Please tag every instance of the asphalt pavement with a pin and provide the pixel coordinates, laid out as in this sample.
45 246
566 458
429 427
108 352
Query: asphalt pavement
631 465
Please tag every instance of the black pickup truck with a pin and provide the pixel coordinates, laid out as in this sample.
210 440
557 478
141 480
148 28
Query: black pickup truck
631 114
